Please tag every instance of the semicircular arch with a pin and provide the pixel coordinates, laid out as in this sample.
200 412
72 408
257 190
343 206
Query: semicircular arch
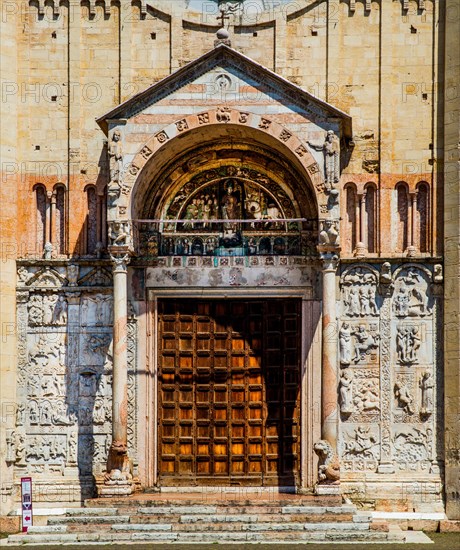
223 125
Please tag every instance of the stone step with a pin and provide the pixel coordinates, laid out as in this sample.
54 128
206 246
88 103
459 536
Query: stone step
206 499
248 518
209 527
202 537
91 511
59 520
253 509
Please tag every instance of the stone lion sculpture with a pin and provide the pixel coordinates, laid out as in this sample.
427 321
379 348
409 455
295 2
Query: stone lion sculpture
329 467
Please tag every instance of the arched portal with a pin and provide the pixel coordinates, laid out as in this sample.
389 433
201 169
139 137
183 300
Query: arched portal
220 215
226 228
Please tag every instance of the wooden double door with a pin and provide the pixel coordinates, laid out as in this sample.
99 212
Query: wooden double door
229 392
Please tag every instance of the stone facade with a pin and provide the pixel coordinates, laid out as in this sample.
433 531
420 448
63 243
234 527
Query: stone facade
341 117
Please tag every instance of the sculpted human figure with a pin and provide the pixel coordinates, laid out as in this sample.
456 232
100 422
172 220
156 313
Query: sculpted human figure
346 392
405 399
345 344
354 306
60 311
413 344
115 156
364 342
364 301
368 399
372 300
119 234
427 387
230 208
331 150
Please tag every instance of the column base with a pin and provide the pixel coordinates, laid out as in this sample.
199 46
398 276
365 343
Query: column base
360 250
115 487
325 489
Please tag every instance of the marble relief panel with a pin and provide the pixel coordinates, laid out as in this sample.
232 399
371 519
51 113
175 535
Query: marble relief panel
63 416
388 388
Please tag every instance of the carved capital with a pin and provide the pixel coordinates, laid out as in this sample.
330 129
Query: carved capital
73 298
120 235
22 296
330 261
120 259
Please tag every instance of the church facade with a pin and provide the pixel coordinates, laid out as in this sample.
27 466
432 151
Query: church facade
230 237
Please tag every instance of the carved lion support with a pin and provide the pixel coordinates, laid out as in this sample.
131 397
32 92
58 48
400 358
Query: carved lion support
329 408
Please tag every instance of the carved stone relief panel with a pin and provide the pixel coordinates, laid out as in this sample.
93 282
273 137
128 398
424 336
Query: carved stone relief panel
414 358
359 356
96 310
360 447
359 293
63 416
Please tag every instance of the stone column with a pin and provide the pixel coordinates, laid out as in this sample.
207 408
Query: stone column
118 480
329 378
361 227
411 249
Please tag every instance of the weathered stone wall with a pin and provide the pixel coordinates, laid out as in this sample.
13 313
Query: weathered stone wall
452 259
9 180
381 62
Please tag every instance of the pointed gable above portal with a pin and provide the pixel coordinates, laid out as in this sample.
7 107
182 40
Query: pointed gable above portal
225 76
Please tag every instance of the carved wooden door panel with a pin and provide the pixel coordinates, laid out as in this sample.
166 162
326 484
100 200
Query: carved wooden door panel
229 386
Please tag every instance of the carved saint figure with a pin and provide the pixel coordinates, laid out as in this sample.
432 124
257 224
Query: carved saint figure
427 387
115 157
34 384
346 392
59 316
404 397
352 302
20 414
345 344
331 150
230 209
99 412
72 448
